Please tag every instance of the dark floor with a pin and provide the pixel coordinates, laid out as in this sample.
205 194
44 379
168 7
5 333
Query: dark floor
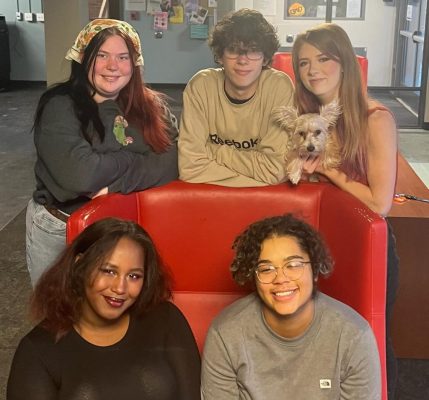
17 181
391 99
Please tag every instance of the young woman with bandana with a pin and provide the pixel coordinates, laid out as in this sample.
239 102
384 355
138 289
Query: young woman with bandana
100 131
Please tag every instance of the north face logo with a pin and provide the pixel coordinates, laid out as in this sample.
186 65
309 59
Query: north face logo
325 383
245 144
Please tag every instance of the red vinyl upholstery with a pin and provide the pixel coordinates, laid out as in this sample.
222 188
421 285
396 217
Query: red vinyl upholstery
283 62
194 225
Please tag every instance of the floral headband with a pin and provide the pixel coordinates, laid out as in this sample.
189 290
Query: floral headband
97 25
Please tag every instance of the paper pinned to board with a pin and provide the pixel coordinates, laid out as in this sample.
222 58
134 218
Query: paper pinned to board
353 9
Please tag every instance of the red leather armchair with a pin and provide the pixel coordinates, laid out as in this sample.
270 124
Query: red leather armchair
283 62
193 227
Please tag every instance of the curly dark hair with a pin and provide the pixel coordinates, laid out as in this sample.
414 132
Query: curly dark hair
59 294
247 246
245 29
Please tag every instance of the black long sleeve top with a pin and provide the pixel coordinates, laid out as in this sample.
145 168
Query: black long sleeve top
156 360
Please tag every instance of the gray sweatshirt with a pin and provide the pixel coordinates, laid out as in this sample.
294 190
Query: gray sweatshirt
69 168
336 358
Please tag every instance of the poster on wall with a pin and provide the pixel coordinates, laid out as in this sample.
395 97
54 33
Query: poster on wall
178 13
191 6
198 17
160 21
353 9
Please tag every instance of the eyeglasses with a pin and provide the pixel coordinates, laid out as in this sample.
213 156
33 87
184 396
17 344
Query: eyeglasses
267 273
251 55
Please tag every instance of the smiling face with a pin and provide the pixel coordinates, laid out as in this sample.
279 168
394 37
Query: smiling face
288 306
241 73
320 74
115 285
112 69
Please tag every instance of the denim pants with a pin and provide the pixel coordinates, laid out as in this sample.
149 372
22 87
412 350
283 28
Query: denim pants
45 239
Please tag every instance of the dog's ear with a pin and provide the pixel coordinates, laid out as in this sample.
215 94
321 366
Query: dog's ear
285 117
330 112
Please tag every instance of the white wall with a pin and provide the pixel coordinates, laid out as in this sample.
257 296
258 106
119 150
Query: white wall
376 32
27 41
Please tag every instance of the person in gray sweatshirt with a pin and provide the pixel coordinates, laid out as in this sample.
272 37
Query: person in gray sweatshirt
101 131
287 339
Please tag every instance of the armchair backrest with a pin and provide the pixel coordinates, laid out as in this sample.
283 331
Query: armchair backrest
194 225
283 62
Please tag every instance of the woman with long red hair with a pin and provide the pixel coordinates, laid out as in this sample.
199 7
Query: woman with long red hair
100 131
326 70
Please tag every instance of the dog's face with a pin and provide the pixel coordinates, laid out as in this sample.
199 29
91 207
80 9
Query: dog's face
307 132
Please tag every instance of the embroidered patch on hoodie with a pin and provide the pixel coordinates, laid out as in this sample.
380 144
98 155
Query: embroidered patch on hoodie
119 131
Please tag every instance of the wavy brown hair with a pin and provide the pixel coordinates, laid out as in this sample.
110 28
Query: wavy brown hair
247 29
59 294
247 246
333 42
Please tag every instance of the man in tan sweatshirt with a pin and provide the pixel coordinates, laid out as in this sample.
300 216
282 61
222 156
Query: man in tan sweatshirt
227 136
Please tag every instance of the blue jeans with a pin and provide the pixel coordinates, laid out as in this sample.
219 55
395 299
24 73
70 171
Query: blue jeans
45 239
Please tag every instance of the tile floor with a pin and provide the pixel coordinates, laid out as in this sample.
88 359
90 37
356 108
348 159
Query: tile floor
414 145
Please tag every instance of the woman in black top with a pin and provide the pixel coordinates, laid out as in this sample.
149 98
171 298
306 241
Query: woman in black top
107 329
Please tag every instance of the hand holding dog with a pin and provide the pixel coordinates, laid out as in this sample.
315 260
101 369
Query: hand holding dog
313 167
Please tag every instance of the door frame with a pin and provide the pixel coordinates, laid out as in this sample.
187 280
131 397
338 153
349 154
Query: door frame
398 64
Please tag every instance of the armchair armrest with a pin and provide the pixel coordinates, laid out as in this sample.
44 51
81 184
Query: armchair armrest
109 205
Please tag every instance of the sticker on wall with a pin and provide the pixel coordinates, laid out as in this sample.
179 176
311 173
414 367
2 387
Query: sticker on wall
191 6
160 21
178 15
199 17
199 31
409 16
296 10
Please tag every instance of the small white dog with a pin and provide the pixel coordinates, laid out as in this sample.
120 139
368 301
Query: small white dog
309 137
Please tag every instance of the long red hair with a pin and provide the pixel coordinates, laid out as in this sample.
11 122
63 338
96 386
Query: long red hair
352 124
142 107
